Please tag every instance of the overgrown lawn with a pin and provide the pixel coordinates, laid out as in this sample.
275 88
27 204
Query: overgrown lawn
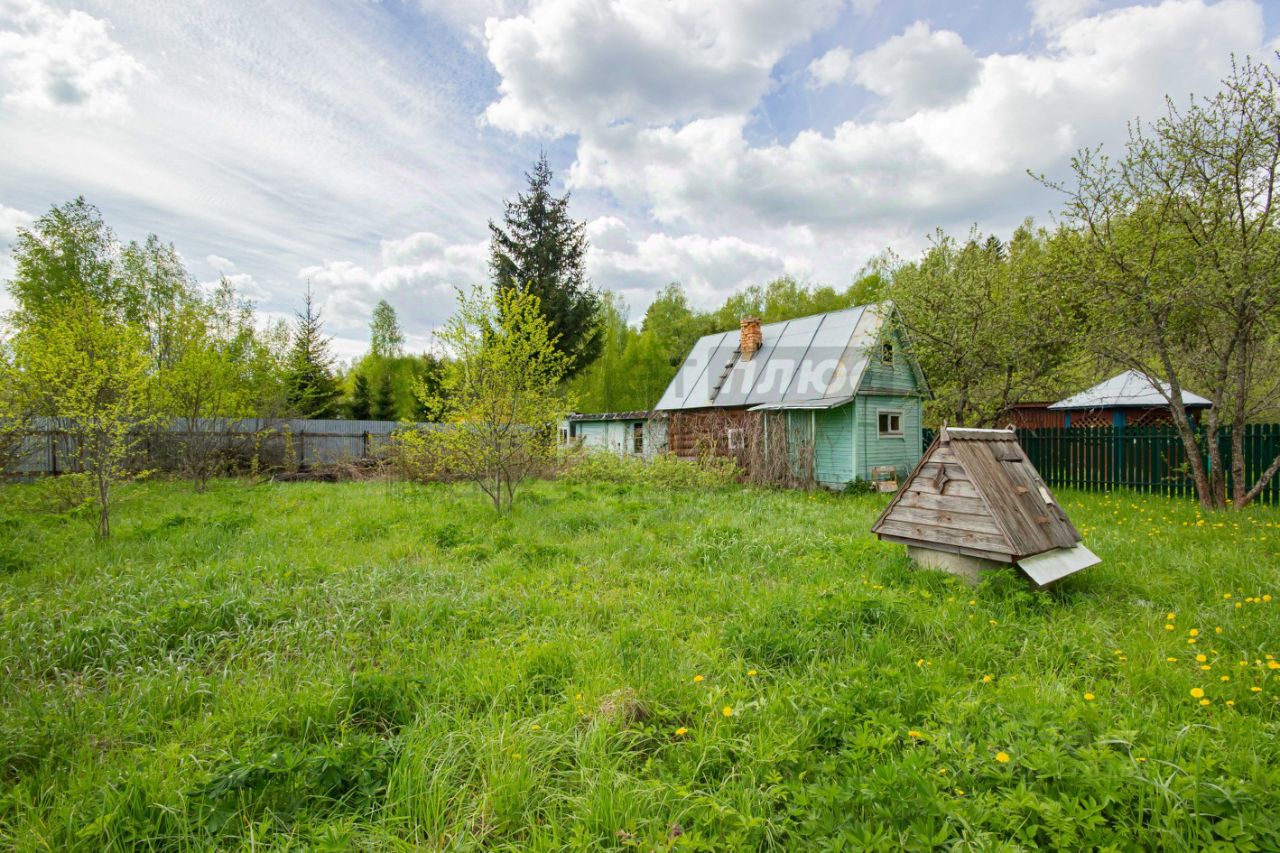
364 666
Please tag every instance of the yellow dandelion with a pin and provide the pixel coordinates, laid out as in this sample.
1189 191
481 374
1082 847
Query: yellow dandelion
1231 703
752 673
1088 697
1194 632
1201 658
1217 630
914 734
1272 664
1002 757
993 622
1191 641
1224 678
1206 667
1204 701
535 728
1168 626
986 679
1196 692
682 731
942 771
1226 595
1172 660
697 678
1266 597
959 792
1239 605
1172 616
1255 689
727 711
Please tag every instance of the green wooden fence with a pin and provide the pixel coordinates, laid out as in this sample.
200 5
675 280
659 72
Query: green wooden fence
1147 459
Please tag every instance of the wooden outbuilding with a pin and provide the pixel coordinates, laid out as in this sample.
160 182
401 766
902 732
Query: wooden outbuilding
975 501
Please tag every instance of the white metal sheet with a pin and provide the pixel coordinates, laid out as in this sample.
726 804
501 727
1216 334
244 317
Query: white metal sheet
1057 564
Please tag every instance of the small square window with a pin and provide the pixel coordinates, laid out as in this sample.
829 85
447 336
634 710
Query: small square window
737 440
890 423
886 352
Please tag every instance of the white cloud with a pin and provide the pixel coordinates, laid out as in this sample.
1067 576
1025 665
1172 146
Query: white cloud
219 263
920 69
418 275
62 62
834 66
11 219
956 163
1048 16
569 64
709 268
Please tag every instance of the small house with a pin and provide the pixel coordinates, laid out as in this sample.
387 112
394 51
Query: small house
1126 399
838 394
637 433
974 502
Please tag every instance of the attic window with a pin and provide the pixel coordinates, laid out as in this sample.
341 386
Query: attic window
890 423
886 352
737 440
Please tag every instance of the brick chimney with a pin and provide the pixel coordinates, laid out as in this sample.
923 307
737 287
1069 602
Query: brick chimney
749 337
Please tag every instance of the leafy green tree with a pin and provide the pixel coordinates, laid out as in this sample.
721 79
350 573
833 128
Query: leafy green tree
67 255
385 338
674 325
92 372
989 324
312 389
1176 249
361 405
427 380
158 295
499 394
540 248
16 409
603 386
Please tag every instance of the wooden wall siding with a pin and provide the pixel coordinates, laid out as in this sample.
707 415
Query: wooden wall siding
901 452
686 429
833 446
897 377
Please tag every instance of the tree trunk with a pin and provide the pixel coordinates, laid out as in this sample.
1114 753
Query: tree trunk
104 509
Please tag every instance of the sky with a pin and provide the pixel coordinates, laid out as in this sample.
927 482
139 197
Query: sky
363 145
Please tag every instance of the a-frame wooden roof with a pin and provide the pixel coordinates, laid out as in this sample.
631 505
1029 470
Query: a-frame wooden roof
975 492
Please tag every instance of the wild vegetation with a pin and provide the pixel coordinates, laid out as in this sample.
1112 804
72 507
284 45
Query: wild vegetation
621 665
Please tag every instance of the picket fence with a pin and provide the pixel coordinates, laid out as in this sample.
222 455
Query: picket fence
1145 459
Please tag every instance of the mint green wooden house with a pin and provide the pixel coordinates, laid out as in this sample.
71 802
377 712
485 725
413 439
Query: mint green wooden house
843 385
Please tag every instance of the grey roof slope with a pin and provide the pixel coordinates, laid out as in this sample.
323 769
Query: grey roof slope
808 362
1129 388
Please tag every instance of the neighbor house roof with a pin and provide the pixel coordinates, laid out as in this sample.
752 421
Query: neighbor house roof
809 362
1127 390
975 492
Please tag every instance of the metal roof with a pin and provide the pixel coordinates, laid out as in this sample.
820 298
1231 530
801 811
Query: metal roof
808 362
1128 389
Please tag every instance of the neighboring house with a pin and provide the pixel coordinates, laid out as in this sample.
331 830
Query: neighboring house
623 433
1126 399
839 391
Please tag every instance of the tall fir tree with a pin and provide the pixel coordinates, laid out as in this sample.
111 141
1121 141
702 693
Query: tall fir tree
313 390
384 401
541 248
361 405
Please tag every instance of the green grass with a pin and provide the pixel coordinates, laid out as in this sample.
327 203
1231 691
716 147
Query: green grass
315 666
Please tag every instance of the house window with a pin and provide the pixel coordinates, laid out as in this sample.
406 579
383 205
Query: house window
886 352
637 438
890 423
737 440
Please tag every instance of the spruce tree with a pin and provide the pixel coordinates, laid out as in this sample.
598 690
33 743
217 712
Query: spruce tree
541 248
384 402
361 405
313 390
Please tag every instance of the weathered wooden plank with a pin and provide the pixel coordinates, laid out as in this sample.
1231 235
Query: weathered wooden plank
955 549
924 534
953 502
977 522
924 484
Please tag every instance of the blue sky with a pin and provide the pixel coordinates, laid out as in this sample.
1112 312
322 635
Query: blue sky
363 145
